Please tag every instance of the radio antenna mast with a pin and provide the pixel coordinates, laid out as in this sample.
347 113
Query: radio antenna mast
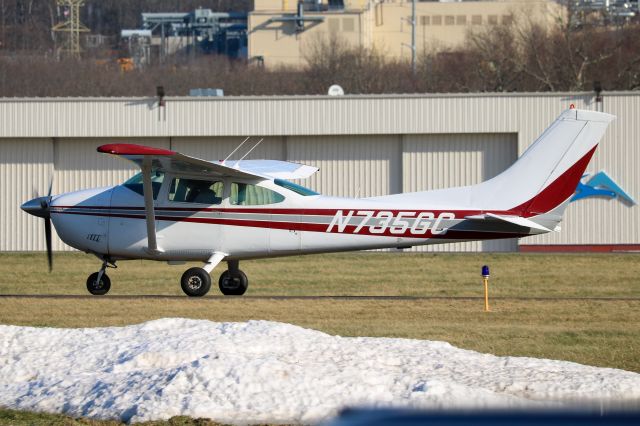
248 152
237 148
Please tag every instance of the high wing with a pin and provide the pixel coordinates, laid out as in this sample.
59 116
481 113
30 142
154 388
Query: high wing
149 158
172 161
275 169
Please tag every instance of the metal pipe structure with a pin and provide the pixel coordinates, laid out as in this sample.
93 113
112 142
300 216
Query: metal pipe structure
72 27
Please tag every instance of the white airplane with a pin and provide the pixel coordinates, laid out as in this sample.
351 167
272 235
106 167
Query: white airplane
180 208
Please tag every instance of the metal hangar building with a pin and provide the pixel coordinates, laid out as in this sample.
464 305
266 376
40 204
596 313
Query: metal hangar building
364 146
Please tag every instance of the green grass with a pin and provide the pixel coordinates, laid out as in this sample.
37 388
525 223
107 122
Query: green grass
404 274
593 332
26 418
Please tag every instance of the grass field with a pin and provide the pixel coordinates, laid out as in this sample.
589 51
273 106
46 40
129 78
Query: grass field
19 418
595 332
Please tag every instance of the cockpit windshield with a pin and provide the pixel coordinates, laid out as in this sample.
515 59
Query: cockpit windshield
135 183
298 189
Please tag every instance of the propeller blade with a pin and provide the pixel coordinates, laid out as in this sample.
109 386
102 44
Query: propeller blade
47 233
50 187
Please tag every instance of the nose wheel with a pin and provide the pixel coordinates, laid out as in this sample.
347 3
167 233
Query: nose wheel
98 286
99 283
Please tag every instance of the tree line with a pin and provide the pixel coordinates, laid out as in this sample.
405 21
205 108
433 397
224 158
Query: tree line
25 25
519 56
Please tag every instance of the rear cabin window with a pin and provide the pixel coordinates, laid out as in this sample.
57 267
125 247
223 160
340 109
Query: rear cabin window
135 183
245 194
196 191
298 189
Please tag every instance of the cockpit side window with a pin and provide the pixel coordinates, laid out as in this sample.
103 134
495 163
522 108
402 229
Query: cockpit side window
245 194
135 183
196 191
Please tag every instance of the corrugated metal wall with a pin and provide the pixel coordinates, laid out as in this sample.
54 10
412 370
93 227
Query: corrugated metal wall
364 145
219 148
598 220
289 116
26 167
442 161
350 166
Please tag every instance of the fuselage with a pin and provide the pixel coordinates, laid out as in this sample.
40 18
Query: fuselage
181 208
268 220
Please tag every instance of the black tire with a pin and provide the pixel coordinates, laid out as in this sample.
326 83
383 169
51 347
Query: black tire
195 282
233 284
101 288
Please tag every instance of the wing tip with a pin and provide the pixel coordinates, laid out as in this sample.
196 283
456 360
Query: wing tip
132 149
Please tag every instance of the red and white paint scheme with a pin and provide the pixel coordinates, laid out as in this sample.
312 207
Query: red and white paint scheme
180 208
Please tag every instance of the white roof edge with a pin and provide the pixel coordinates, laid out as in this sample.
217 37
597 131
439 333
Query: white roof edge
153 98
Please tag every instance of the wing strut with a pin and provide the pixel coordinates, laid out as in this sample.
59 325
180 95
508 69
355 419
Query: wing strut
152 244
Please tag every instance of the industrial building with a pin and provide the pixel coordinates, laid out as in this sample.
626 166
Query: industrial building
164 34
364 146
283 32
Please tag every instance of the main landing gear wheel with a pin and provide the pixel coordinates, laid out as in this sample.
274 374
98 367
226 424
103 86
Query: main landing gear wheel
195 282
98 288
233 283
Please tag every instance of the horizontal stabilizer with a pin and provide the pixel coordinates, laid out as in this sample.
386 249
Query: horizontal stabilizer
516 220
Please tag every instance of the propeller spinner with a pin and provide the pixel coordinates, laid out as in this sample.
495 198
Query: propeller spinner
39 207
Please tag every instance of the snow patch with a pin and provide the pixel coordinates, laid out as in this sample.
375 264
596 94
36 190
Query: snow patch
261 371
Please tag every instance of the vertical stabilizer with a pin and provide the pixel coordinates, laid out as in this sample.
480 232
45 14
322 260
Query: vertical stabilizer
547 174
540 181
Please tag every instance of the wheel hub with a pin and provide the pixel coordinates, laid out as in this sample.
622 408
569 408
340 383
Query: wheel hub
195 283
231 282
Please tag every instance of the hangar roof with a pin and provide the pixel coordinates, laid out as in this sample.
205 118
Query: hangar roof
286 115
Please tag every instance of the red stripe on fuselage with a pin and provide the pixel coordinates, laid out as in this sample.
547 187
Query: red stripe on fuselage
459 214
287 211
312 227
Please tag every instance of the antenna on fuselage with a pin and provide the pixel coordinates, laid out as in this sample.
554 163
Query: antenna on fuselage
237 165
237 148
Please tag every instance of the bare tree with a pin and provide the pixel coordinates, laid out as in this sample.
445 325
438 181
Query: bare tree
516 56
497 52
332 60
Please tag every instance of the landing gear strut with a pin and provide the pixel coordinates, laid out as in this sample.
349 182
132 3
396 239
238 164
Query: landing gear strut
99 283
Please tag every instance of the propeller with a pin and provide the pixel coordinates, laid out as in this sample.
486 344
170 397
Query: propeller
40 207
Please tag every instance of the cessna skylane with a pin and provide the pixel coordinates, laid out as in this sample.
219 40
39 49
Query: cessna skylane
180 208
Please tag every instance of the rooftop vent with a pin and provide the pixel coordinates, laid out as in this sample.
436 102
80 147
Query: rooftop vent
206 92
